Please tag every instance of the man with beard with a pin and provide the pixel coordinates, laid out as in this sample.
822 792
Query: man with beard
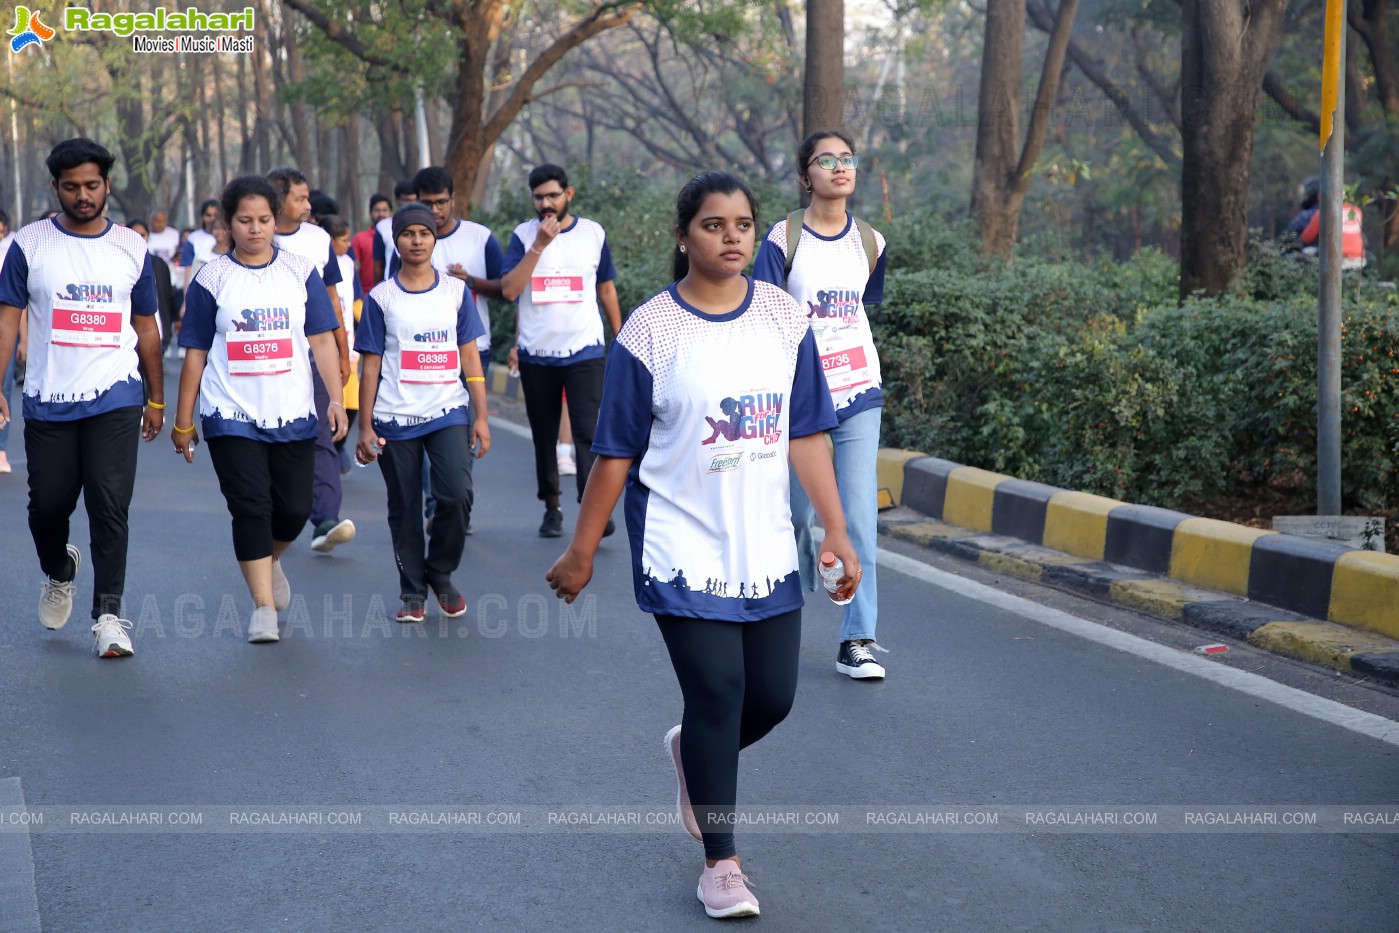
362 243
91 299
559 268
296 234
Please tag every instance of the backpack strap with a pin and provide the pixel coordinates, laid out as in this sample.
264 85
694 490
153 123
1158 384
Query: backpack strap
794 236
868 242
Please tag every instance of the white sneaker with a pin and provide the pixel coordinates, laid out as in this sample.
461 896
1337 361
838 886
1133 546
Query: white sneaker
111 640
56 597
263 625
567 465
281 587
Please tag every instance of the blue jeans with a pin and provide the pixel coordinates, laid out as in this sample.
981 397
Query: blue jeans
856 441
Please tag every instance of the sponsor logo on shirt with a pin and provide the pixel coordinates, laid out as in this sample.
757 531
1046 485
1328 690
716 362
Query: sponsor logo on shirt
432 336
100 294
264 319
843 304
726 462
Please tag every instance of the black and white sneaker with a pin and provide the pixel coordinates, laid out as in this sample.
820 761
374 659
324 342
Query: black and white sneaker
855 660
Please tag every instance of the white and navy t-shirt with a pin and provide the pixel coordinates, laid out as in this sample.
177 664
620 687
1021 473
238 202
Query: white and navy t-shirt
81 292
199 247
165 244
384 249
833 286
255 322
707 406
475 248
419 336
560 322
314 243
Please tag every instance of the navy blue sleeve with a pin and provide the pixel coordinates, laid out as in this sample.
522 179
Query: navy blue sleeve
513 255
394 266
200 320
358 293
143 297
468 321
369 332
380 250
14 278
874 288
606 272
771 262
495 258
812 410
187 254
624 417
320 316
331 276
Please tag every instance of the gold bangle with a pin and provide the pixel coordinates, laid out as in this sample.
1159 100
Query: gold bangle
475 378
180 430
158 406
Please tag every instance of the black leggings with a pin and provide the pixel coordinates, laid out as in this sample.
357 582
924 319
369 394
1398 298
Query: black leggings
738 680
267 487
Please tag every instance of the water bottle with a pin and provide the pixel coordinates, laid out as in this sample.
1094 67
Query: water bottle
832 569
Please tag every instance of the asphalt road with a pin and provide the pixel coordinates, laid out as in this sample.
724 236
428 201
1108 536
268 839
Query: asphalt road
317 765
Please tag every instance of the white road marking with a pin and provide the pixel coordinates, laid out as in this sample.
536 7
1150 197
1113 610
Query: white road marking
19 905
1299 701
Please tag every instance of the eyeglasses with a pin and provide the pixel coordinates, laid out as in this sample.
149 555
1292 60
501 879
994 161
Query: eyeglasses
434 203
829 162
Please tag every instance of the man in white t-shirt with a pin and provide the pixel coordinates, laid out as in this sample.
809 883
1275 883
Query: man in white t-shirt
94 382
559 268
164 240
296 235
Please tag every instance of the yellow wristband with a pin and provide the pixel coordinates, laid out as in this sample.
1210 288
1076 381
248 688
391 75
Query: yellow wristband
180 430
475 378
158 406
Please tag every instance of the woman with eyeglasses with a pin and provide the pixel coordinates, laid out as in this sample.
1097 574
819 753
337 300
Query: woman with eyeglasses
833 265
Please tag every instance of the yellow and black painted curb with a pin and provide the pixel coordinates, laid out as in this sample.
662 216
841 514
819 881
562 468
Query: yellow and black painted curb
1270 589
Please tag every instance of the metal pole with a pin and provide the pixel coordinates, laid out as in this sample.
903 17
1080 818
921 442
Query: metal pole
18 220
1328 358
420 115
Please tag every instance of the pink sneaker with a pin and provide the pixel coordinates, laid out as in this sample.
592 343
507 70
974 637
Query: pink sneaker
682 793
724 892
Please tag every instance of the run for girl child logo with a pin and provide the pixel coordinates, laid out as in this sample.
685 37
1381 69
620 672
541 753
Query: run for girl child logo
199 31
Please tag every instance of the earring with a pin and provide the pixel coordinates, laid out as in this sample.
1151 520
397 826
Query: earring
682 247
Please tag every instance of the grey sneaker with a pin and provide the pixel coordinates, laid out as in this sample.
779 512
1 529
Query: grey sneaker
553 524
56 597
682 793
110 639
263 625
281 587
332 533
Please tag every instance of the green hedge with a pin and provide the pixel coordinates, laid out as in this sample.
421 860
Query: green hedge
1092 376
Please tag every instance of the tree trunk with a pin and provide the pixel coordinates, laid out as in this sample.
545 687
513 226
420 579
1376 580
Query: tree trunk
998 124
1225 51
1369 22
823 86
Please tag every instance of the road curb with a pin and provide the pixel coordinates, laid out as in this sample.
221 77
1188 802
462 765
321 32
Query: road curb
1318 601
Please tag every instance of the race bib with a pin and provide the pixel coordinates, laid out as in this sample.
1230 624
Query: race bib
259 354
556 288
845 369
428 364
86 324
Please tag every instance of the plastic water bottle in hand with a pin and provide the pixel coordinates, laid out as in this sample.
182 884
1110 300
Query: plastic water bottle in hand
832 569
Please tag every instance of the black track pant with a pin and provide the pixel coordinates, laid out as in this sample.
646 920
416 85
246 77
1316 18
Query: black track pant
94 456
738 680
544 387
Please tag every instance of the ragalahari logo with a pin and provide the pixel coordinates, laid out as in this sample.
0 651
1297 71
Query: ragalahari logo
29 29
